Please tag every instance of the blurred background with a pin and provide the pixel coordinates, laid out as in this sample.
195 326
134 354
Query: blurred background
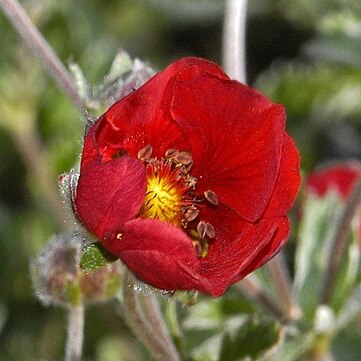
304 54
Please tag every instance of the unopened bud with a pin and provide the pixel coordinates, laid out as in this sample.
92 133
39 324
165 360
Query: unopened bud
54 272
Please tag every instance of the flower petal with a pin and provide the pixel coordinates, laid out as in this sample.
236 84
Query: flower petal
236 138
239 247
143 117
159 254
288 181
339 177
109 194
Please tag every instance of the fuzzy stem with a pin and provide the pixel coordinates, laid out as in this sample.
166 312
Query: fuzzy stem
146 331
75 335
282 281
28 143
234 37
251 287
39 46
339 243
153 315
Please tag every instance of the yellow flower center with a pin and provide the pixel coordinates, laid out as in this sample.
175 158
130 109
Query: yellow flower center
163 198
171 196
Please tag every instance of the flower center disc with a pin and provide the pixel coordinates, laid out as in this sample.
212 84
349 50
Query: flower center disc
164 195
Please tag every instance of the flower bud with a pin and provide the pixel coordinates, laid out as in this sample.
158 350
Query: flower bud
55 271
58 278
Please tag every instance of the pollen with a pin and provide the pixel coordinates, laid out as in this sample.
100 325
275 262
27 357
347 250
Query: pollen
165 193
171 196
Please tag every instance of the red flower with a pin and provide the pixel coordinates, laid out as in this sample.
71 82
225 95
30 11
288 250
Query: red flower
338 177
188 179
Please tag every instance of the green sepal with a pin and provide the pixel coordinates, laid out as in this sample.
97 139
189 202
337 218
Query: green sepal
95 256
188 298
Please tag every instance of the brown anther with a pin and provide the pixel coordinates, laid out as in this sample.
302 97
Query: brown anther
206 229
191 181
211 197
201 229
198 248
145 152
170 153
183 158
191 213
211 232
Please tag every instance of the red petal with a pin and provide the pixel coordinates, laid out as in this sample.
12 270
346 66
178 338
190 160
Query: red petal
109 194
339 177
159 254
279 240
143 117
236 137
239 247
288 181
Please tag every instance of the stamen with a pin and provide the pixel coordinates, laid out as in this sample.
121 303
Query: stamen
171 153
183 158
145 153
206 229
171 196
191 213
211 197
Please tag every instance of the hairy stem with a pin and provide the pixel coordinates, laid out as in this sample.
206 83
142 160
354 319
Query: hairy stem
339 243
234 37
154 317
39 46
251 287
75 335
145 324
30 147
282 282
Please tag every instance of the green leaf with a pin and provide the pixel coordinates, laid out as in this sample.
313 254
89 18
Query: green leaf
95 256
316 236
314 242
253 339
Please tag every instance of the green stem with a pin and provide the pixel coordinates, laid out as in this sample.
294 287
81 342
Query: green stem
282 282
40 47
252 289
234 37
74 345
152 313
339 243
144 326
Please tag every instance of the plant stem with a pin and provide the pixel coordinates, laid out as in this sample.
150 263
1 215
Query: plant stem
251 287
282 281
234 37
153 315
39 46
339 243
31 149
74 342
146 331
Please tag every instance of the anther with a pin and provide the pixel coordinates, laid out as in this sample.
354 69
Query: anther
183 158
170 153
211 197
191 213
206 229
145 153
119 236
191 181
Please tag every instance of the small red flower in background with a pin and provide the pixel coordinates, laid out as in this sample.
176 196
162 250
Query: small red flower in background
338 177
188 180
